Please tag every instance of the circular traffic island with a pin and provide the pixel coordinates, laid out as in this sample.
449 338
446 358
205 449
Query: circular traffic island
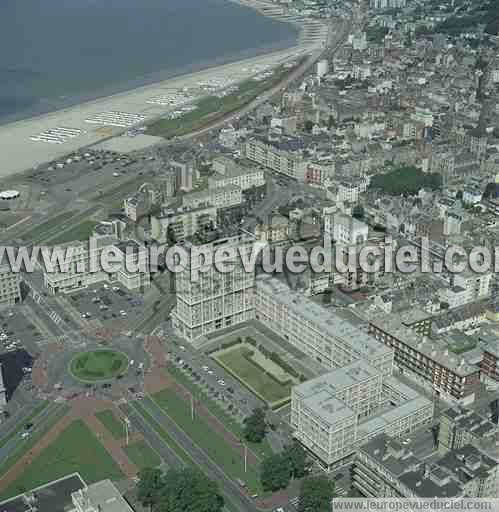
98 365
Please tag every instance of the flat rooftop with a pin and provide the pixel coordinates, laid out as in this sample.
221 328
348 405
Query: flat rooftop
328 322
52 497
435 349
339 379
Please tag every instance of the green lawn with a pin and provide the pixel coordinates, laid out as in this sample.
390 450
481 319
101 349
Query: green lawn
20 427
28 444
167 439
212 108
80 232
188 460
77 449
46 226
142 455
98 365
113 425
261 450
212 443
252 376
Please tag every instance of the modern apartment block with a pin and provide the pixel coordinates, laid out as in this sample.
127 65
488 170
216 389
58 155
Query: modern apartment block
221 197
384 468
490 362
214 300
327 336
182 223
242 174
83 265
428 361
10 285
282 157
344 229
334 413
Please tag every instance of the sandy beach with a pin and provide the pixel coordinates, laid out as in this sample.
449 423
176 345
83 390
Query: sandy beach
29 143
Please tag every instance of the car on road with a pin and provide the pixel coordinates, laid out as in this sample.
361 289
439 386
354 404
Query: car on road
205 368
221 382
181 347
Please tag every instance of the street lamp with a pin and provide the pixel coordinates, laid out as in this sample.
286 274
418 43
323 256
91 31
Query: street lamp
126 421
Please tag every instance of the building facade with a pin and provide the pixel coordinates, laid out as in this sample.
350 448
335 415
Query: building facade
214 300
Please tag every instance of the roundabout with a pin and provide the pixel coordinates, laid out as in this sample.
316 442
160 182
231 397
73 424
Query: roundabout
98 365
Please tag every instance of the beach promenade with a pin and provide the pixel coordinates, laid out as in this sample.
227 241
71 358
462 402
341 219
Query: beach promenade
33 142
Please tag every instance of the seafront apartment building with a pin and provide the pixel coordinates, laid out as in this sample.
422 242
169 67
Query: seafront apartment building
10 286
214 300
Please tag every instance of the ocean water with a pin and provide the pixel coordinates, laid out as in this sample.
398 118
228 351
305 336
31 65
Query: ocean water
56 53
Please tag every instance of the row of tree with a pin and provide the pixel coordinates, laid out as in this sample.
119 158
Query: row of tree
186 490
278 469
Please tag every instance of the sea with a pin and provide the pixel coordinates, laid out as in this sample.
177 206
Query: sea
58 53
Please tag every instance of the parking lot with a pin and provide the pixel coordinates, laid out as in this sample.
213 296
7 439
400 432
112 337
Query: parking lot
17 331
109 305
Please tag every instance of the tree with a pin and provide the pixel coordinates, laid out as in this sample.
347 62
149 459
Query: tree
189 490
309 125
296 459
278 469
316 494
358 212
275 473
149 486
255 426
405 181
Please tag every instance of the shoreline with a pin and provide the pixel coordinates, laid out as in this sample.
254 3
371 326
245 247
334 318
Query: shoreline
25 154
143 82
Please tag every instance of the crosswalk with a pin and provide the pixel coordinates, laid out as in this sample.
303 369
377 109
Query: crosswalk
70 337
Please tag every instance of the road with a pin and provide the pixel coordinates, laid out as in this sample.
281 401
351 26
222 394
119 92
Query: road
334 40
39 423
230 489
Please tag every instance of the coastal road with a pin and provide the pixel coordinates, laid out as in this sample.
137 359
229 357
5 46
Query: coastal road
336 37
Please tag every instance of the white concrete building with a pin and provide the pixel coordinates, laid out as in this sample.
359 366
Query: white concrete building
214 300
280 156
350 190
221 197
327 336
346 230
244 175
10 285
335 413
181 223
82 265
100 496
